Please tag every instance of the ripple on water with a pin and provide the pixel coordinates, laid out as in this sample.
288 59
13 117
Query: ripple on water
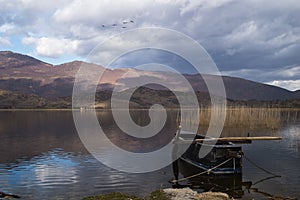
63 173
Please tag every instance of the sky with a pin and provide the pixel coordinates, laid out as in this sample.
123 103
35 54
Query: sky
254 39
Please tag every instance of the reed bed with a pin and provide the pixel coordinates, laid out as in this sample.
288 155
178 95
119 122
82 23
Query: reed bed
250 118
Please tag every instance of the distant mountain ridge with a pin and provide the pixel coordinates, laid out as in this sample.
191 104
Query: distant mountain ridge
242 89
24 74
15 60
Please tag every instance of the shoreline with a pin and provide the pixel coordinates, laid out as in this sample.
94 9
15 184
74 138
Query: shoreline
164 194
178 194
104 109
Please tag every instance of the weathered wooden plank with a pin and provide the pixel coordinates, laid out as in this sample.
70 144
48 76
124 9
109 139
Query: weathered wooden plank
239 138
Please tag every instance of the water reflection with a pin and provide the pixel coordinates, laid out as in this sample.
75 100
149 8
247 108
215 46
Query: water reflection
42 156
55 170
60 175
134 144
292 135
26 135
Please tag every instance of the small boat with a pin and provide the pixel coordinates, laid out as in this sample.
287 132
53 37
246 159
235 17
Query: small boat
225 157
220 169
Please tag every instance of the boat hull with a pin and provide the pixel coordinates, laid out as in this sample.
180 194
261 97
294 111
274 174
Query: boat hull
224 158
229 183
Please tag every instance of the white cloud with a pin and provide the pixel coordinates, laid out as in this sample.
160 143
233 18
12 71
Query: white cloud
193 5
289 72
244 33
286 77
7 28
52 47
100 12
291 85
289 37
4 41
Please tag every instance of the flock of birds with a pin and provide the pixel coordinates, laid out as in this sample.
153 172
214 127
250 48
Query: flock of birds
123 24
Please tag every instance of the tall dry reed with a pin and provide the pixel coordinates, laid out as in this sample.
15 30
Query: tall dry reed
236 117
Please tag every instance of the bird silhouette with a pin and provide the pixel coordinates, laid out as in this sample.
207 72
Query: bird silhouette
8 196
131 21
114 24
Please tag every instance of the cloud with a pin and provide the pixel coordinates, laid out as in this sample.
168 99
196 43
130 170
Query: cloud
7 28
291 85
195 4
27 12
243 37
242 34
51 47
288 72
4 41
99 12
286 77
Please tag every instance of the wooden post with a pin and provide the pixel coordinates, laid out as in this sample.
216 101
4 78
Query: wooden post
239 138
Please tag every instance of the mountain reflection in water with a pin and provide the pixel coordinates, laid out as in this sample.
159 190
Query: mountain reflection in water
42 156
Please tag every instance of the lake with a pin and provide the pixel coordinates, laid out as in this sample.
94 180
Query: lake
42 157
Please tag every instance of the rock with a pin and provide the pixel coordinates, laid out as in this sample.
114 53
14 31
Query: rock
212 196
189 194
180 194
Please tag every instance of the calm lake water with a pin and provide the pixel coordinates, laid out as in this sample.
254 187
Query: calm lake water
42 157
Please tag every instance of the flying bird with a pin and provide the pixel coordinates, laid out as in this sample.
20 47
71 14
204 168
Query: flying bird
114 24
131 21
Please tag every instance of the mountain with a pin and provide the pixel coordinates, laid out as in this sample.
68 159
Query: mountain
15 100
242 89
296 93
22 74
9 59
